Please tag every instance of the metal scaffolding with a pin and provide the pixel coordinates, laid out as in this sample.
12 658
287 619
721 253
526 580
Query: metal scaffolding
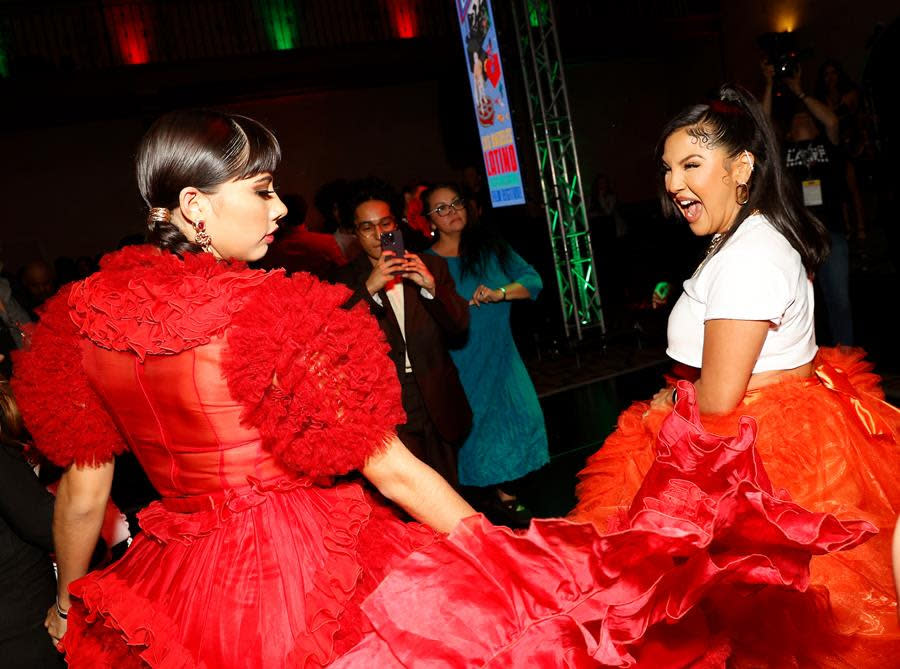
560 176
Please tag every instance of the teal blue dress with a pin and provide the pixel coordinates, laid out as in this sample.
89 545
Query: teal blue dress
508 438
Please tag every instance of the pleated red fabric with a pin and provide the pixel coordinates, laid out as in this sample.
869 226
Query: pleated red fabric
831 441
256 578
705 530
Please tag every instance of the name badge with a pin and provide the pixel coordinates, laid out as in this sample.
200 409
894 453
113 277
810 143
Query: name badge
812 192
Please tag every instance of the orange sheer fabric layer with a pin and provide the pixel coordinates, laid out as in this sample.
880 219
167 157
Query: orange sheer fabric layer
832 445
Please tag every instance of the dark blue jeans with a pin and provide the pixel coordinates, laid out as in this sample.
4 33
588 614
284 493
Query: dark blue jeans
834 281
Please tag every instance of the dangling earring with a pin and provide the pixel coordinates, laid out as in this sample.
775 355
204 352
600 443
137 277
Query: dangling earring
201 236
742 194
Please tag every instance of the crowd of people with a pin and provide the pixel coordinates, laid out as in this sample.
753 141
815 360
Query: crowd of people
322 413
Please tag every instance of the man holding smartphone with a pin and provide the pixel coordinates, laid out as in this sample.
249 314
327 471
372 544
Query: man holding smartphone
417 306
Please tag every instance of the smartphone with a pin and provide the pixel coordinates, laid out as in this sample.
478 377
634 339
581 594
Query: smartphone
393 241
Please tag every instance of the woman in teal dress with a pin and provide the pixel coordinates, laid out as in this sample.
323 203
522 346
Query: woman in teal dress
508 438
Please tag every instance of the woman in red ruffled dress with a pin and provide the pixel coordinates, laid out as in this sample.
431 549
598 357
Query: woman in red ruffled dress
743 331
243 395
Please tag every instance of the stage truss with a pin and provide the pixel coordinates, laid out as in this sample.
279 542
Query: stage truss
560 175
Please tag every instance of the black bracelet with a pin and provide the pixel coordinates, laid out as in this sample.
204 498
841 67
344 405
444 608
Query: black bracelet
62 614
674 395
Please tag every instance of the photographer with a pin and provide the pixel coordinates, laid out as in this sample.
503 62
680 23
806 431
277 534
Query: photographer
819 169
416 304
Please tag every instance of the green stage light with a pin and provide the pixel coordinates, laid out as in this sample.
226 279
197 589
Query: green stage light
280 19
4 59
537 10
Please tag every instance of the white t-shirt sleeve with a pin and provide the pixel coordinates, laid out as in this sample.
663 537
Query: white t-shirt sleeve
747 287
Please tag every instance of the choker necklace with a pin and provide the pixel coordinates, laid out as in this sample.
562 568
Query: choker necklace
714 243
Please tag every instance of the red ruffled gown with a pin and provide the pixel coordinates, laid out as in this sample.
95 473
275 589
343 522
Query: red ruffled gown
255 557
833 443
706 546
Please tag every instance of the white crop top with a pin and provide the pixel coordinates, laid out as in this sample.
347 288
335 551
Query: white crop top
755 276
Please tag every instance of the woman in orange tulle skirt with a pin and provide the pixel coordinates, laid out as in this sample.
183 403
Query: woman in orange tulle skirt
830 440
743 332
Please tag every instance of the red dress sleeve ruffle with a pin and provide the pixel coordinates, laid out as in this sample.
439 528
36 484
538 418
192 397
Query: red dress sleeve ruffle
66 418
706 521
315 379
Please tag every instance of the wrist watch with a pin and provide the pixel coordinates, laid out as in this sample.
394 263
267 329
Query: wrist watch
503 290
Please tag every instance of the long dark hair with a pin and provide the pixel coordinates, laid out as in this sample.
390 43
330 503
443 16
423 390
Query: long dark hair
478 241
736 122
198 148
12 427
844 83
365 190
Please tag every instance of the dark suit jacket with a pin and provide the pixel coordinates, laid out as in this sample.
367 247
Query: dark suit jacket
431 325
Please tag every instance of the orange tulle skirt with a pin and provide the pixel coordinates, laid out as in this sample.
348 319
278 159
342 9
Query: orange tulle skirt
833 444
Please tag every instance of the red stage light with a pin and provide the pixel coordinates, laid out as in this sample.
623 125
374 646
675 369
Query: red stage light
128 29
404 18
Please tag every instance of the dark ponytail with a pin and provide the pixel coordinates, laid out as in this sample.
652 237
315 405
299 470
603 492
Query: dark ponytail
736 122
198 148
168 237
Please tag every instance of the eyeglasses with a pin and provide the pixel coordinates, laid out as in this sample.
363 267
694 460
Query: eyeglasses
372 228
444 209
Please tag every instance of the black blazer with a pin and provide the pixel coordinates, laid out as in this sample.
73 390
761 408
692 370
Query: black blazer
431 326
26 541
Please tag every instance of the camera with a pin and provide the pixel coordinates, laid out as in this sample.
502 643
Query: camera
786 65
782 53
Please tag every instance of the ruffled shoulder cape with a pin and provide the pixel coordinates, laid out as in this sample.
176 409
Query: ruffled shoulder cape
151 302
314 378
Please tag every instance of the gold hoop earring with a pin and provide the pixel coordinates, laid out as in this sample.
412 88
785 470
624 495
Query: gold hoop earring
742 194
201 236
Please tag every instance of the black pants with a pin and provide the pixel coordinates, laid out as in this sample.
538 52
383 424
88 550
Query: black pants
420 435
32 649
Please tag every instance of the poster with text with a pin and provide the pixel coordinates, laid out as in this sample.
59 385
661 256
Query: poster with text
501 160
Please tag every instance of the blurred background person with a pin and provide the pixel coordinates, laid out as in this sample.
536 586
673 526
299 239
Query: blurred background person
508 438
12 317
837 91
607 232
328 201
27 580
421 234
605 211
856 133
818 167
85 266
39 281
298 249
475 190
